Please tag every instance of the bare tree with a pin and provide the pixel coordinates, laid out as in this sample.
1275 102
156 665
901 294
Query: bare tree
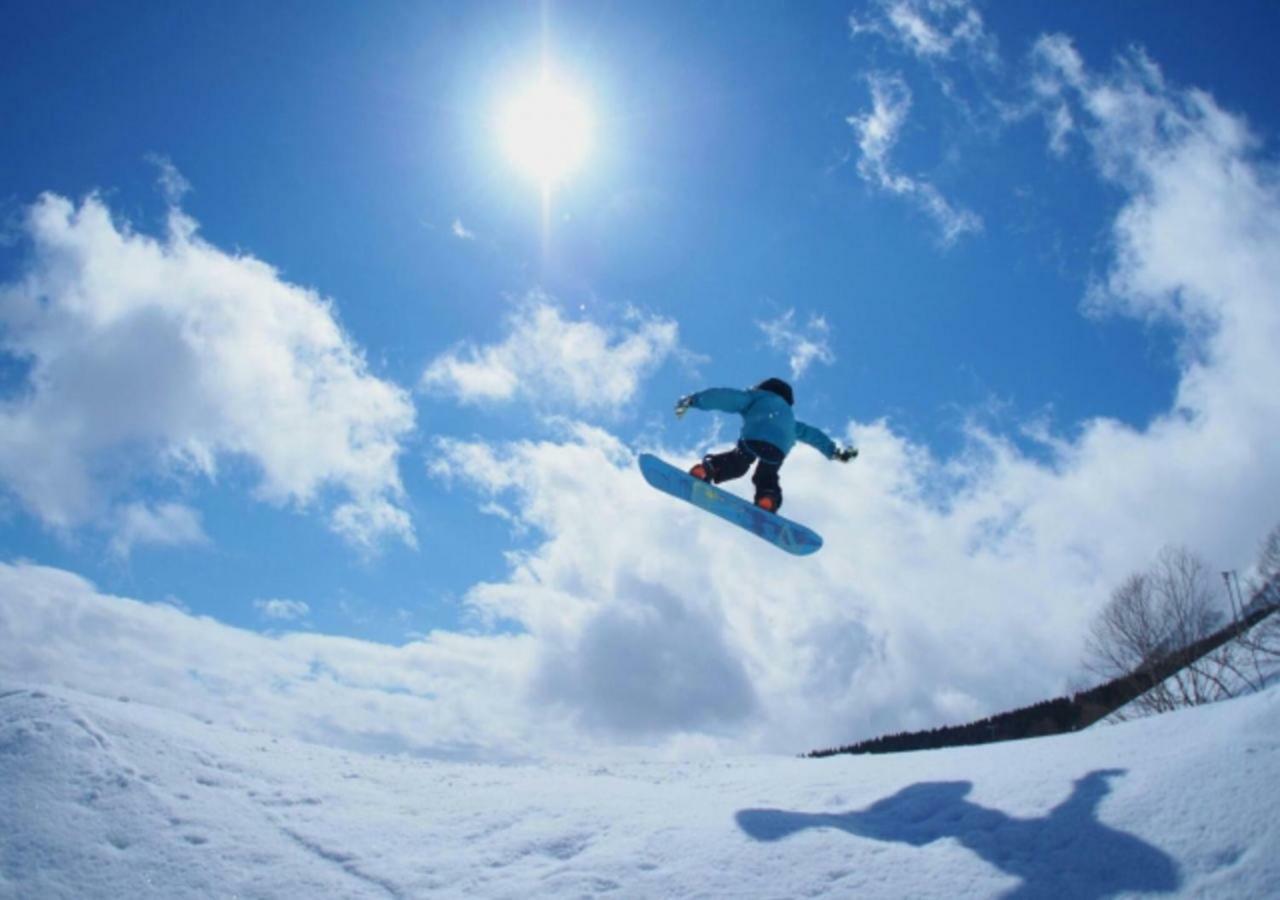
1155 613
1263 641
1268 561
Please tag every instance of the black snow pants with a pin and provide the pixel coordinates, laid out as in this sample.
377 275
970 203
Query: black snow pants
734 464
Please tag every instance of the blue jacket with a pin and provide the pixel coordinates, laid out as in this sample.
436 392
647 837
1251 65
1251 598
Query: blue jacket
765 417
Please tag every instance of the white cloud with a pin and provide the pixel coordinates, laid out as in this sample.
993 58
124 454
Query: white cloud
462 231
878 132
930 29
804 345
172 183
166 356
166 524
1058 68
1062 65
282 610
876 631
648 663
447 695
1061 124
549 360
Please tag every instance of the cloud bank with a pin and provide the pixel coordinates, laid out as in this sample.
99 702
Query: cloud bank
550 361
160 357
448 695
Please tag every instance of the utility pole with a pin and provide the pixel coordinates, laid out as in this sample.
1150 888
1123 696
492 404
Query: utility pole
1233 593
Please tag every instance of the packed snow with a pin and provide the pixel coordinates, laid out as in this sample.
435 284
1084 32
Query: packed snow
109 798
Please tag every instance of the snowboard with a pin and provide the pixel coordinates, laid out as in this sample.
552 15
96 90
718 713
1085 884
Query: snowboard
790 536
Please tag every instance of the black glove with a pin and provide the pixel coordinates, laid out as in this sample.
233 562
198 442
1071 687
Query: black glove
683 404
844 454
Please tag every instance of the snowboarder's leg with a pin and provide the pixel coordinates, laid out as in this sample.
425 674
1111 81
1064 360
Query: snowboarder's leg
725 466
768 488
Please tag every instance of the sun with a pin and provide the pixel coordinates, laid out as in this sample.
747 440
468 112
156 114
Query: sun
546 130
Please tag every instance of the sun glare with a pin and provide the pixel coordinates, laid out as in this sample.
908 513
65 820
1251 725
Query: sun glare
546 131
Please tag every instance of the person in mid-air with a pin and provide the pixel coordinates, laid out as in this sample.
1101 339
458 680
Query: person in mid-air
769 431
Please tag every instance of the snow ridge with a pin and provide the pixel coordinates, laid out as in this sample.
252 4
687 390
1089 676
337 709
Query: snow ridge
107 798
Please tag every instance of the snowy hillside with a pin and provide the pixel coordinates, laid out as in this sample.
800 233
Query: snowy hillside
104 798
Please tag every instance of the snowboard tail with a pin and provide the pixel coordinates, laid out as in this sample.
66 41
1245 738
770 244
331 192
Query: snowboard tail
781 532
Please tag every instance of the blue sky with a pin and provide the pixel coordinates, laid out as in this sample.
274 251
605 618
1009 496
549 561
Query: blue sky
877 187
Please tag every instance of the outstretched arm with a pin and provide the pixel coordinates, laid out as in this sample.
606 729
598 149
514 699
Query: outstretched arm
817 438
723 399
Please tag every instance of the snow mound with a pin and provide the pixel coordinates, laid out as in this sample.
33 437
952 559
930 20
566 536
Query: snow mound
108 798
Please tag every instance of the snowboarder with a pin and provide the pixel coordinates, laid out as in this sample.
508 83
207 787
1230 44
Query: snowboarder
769 431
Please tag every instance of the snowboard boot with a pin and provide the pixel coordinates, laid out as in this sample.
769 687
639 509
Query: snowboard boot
701 472
768 502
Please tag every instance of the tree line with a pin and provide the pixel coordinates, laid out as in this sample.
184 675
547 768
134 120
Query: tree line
1161 643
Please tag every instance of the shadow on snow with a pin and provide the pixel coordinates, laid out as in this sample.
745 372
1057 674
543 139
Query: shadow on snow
1067 853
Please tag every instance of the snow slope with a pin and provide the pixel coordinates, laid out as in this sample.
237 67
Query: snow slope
106 798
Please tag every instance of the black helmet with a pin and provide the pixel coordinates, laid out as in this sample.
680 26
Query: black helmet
779 387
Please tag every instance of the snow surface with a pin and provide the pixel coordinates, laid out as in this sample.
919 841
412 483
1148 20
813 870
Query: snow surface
109 798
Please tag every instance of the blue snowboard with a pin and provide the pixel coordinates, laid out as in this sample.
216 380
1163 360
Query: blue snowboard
772 527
